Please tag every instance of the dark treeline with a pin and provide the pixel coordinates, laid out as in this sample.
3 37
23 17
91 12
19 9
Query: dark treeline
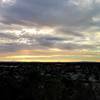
49 81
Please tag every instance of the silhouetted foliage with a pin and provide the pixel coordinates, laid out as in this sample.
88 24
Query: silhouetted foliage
50 81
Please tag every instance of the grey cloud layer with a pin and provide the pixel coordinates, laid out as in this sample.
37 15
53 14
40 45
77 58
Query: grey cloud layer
71 18
48 12
42 42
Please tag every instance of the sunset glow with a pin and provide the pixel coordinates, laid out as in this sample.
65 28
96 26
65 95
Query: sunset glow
50 30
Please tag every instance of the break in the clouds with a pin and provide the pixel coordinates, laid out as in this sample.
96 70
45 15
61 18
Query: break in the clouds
65 25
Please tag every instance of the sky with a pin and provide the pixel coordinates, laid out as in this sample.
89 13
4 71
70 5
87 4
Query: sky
50 30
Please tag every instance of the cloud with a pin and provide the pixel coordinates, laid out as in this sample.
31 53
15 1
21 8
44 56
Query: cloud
45 12
71 21
7 36
43 42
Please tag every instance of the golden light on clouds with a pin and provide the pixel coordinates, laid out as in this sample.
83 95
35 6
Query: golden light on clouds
50 56
60 31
